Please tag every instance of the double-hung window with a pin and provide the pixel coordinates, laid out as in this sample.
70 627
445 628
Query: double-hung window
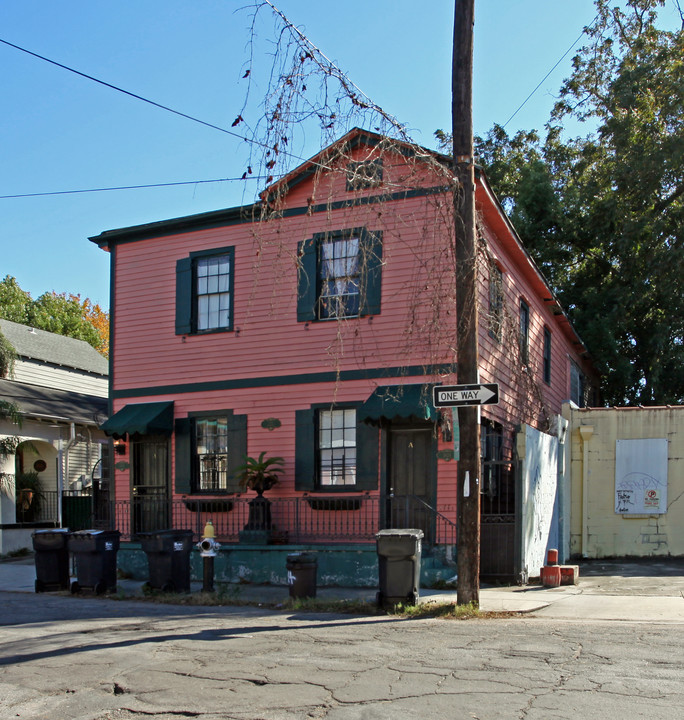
524 332
335 450
204 291
547 356
339 275
210 446
337 447
496 302
211 453
212 290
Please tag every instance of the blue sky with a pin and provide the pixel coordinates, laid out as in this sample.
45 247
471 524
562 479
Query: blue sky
59 131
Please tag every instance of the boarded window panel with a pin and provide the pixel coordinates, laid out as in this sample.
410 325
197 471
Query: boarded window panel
641 476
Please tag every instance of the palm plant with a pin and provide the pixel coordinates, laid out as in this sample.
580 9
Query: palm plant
259 474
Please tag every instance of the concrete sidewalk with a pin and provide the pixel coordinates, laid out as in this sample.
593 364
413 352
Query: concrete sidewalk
640 591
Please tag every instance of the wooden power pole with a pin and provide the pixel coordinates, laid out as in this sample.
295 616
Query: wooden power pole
468 513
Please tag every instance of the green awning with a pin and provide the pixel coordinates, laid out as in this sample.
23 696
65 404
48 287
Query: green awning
399 401
141 419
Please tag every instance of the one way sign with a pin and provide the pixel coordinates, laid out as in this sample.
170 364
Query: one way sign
460 395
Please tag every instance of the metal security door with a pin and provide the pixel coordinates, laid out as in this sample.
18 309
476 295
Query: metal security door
150 484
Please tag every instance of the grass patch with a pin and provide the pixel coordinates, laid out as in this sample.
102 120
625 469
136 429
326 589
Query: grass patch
230 595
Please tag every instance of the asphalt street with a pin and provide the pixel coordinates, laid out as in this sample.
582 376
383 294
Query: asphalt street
66 657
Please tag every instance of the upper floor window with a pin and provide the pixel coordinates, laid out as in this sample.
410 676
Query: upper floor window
577 385
496 302
213 292
204 291
524 331
547 356
364 174
340 275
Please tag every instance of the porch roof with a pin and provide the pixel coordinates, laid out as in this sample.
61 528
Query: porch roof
47 403
398 401
141 419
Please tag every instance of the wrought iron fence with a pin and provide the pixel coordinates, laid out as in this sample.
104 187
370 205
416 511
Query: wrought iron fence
307 519
80 509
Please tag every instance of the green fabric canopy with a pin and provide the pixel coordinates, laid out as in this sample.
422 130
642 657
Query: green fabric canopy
141 419
399 401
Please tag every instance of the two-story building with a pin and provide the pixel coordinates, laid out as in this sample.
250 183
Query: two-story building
312 325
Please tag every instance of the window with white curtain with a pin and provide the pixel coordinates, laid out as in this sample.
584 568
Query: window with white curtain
339 273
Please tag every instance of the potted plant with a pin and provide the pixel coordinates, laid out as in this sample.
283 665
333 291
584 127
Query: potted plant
259 474
29 496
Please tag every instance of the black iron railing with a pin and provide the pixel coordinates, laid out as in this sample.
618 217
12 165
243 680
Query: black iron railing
304 519
307 519
81 509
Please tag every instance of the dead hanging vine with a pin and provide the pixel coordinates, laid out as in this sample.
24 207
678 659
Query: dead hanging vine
309 101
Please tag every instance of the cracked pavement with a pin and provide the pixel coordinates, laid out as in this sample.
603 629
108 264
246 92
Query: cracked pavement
87 658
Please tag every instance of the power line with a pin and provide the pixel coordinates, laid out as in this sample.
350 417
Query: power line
128 187
541 82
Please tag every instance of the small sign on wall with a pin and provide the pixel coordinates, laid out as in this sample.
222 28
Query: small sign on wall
641 476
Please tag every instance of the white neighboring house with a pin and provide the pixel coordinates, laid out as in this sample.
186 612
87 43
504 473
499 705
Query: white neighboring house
60 386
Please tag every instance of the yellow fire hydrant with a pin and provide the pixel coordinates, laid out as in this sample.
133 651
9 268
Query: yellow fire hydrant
208 548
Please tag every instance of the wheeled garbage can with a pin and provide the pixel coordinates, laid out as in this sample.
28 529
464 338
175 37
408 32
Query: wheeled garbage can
95 558
399 552
168 558
52 559
301 575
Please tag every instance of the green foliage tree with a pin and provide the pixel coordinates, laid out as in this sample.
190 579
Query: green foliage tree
61 313
14 302
603 215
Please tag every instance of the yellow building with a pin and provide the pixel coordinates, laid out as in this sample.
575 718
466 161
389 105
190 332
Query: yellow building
627 470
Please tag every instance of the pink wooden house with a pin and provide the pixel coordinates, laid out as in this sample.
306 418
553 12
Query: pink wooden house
312 326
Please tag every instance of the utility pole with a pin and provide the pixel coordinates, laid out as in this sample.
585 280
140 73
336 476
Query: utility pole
468 510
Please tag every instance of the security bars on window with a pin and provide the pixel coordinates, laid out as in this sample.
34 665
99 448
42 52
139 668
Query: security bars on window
212 453
337 446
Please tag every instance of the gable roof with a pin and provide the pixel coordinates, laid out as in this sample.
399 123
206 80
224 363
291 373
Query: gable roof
324 159
33 344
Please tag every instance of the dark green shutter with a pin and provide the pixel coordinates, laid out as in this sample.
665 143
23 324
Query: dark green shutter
184 296
305 463
237 449
307 281
367 456
183 456
370 257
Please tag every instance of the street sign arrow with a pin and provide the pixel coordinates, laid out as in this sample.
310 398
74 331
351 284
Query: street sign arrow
461 395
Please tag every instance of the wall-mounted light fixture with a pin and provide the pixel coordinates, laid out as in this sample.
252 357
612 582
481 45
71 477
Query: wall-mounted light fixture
120 447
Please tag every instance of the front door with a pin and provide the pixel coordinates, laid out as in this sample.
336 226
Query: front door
150 484
411 478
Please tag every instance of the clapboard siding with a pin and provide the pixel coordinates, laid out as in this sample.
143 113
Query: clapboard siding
59 378
415 328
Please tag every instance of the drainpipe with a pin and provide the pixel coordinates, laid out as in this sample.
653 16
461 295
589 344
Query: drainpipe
586 431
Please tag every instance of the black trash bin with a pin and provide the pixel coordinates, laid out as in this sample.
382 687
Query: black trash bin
95 558
52 559
399 552
168 558
301 575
